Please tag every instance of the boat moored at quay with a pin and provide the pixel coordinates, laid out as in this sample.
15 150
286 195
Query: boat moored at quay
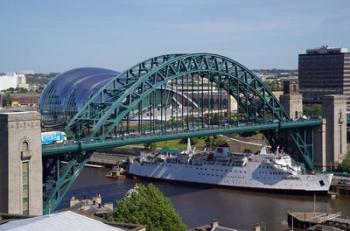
263 171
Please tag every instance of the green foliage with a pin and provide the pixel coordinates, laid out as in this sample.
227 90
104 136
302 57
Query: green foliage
313 110
6 100
150 146
147 206
274 85
174 123
9 90
15 90
345 165
215 118
40 78
211 141
194 140
21 90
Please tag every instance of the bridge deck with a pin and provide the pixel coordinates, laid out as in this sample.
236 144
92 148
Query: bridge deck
96 144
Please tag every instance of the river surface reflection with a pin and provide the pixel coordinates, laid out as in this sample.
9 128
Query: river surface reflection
199 205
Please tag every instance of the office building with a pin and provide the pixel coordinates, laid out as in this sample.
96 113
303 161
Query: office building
324 71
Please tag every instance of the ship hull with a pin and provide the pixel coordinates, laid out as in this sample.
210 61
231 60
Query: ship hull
251 177
232 187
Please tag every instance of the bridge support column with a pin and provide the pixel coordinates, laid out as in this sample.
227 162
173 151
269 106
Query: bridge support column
291 100
21 163
320 146
334 111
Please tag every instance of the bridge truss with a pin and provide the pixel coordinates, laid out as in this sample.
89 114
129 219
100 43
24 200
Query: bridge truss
173 96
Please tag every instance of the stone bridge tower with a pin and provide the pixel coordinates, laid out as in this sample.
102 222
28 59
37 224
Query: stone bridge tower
292 100
21 189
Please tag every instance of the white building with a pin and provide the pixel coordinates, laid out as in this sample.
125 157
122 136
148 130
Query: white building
13 80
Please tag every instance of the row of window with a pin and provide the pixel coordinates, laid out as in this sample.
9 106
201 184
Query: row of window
230 170
265 166
272 173
233 176
25 187
222 170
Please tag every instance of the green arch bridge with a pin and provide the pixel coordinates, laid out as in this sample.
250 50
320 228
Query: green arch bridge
128 110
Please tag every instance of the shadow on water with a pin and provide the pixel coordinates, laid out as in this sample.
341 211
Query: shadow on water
93 181
198 205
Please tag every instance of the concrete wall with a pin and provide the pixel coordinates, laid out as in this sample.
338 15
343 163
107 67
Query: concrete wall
3 165
293 104
320 146
17 128
334 111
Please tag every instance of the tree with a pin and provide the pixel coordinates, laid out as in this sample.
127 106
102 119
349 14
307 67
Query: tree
274 85
21 90
345 165
214 141
150 146
11 90
313 110
194 140
146 205
6 100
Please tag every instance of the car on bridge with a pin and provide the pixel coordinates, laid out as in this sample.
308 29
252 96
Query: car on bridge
53 137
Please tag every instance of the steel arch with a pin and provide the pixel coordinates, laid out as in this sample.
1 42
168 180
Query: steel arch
152 73
106 109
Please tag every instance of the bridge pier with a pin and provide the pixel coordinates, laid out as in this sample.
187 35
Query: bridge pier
21 189
320 146
291 100
330 138
334 142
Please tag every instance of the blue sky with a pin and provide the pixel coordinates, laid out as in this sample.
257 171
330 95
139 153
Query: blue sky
54 35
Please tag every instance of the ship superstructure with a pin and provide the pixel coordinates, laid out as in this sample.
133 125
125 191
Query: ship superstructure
268 171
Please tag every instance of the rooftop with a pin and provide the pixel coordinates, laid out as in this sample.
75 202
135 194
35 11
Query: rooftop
214 226
12 74
326 50
58 221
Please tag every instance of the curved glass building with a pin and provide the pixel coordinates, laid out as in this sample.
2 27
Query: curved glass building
69 91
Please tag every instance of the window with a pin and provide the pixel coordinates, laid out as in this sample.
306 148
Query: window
25 155
25 187
25 146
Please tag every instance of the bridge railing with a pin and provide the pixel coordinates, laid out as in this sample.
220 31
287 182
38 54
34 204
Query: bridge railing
90 144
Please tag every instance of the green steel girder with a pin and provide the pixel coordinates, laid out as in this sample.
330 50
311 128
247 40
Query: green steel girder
241 78
114 102
304 146
100 144
64 176
112 92
77 154
126 94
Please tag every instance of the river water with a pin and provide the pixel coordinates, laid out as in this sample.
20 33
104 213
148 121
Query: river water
199 205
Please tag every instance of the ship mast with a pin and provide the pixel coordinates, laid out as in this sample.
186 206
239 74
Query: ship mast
189 147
